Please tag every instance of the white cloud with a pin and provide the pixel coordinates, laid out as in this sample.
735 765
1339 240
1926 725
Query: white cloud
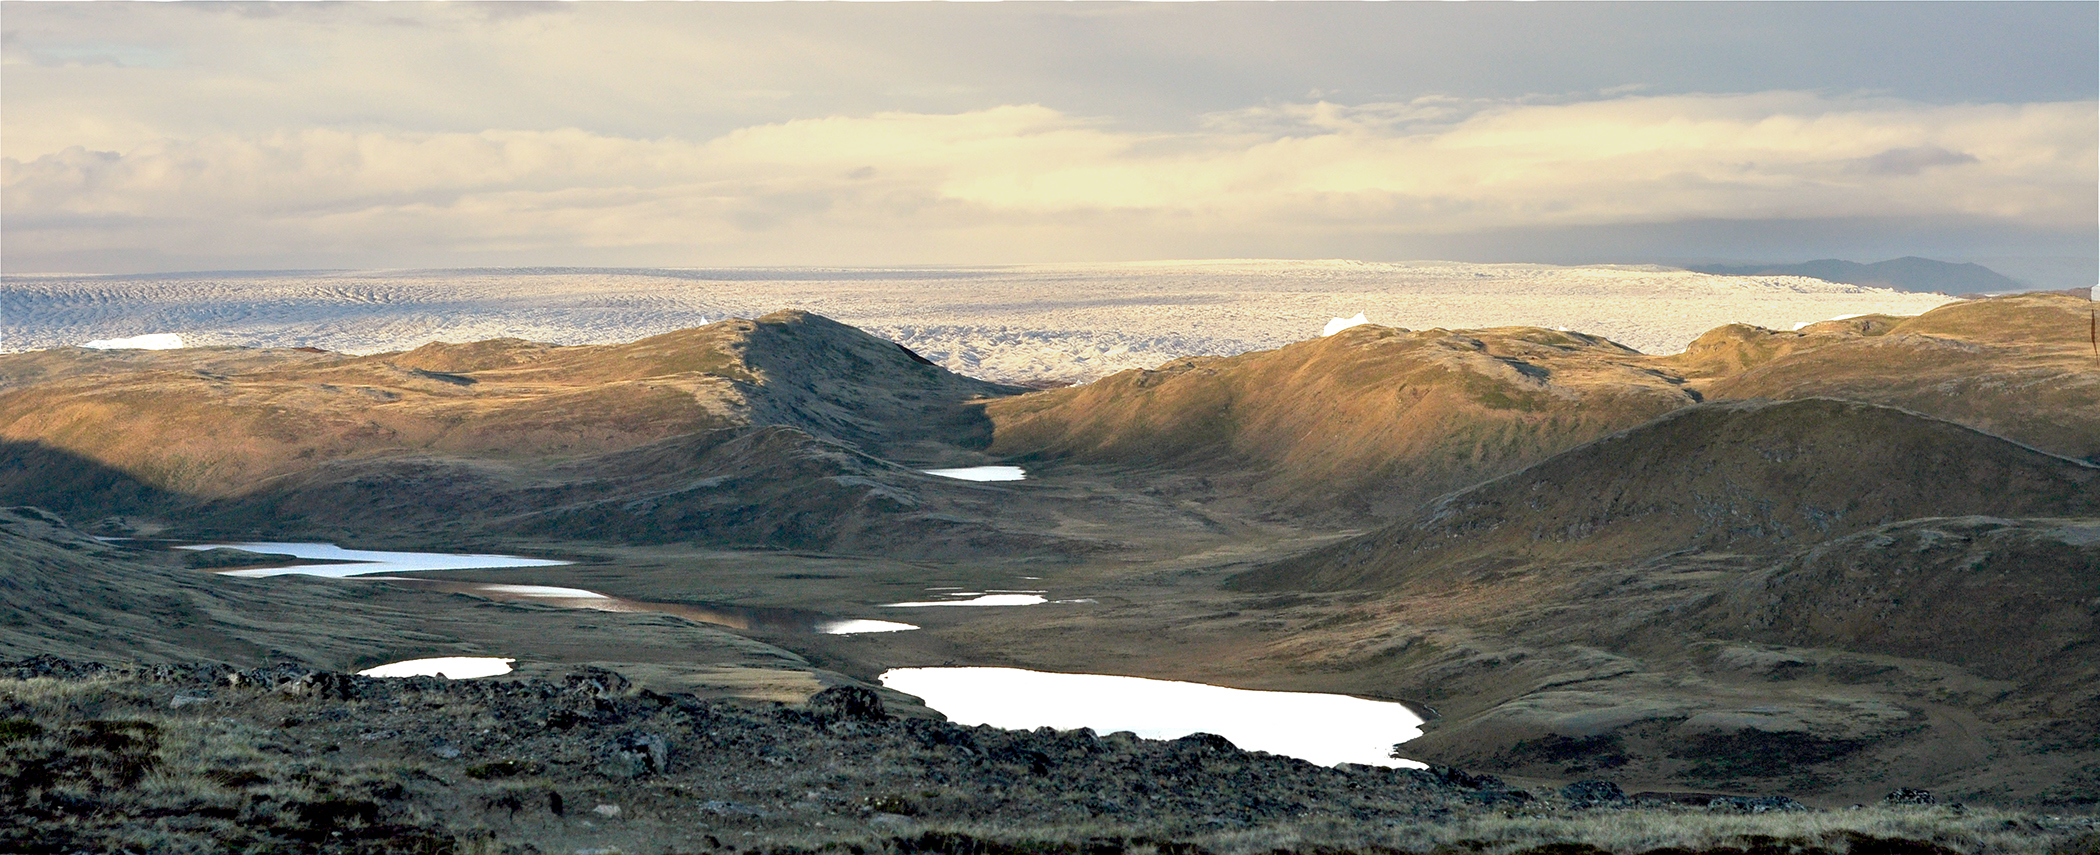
1026 182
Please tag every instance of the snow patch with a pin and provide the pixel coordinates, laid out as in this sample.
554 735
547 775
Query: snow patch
982 473
981 600
1339 324
448 667
150 341
856 627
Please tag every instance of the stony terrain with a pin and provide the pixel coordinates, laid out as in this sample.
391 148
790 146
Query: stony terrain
1034 324
207 758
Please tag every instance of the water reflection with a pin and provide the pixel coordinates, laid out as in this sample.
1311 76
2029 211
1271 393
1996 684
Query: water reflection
1325 729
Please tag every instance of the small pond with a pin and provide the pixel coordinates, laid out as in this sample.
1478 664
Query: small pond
982 473
1324 729
368 562
363 562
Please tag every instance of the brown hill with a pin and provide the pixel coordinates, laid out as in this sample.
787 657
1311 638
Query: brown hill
1368 419
2006 598
766 486
215 422
1733 476
744 432
2019 367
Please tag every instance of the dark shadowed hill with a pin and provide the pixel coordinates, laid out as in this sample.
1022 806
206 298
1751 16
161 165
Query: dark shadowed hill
65 593
2007 598
765 486
1908 273
1734 476
1368 419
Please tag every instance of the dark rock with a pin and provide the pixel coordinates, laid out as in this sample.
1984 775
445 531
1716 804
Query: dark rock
1910 796
595 683
1593 792
847 703
633 755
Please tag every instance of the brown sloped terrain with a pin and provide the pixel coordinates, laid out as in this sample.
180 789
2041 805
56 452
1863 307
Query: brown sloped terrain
1374 421
2019 367
1368 420
2006 598
755 433
1731 476
214 423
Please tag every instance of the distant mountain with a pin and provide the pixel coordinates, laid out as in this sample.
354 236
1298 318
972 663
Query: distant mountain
1908 273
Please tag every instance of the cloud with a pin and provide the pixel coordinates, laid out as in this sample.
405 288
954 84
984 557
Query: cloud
1910 161
1030 183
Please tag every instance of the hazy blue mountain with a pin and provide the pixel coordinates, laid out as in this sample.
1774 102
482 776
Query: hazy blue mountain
1908 273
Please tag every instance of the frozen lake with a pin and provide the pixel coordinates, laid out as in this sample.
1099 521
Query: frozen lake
367 561
370 562
1324 729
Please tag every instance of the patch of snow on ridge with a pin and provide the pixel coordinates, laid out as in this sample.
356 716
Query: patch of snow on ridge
856 627
1339 324
150 341
980 600
982 473
448 667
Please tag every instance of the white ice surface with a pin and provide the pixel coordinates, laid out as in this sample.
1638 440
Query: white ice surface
981 600
546 591
449 667
982 473
150 341
1071 322
856 627
1324 729
369 561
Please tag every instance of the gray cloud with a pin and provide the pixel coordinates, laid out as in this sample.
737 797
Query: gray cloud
1909 161
903 133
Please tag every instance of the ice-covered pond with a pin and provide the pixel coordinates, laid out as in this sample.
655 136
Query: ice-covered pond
364 562
369 562
1324 729
982 473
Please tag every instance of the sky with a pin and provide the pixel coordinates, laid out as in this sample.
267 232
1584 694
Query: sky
142 137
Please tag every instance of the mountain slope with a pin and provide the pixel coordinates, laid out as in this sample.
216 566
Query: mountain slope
1368 419
1733 476
2020 367
768 433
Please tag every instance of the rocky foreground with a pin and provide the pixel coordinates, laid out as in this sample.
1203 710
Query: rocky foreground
207 758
